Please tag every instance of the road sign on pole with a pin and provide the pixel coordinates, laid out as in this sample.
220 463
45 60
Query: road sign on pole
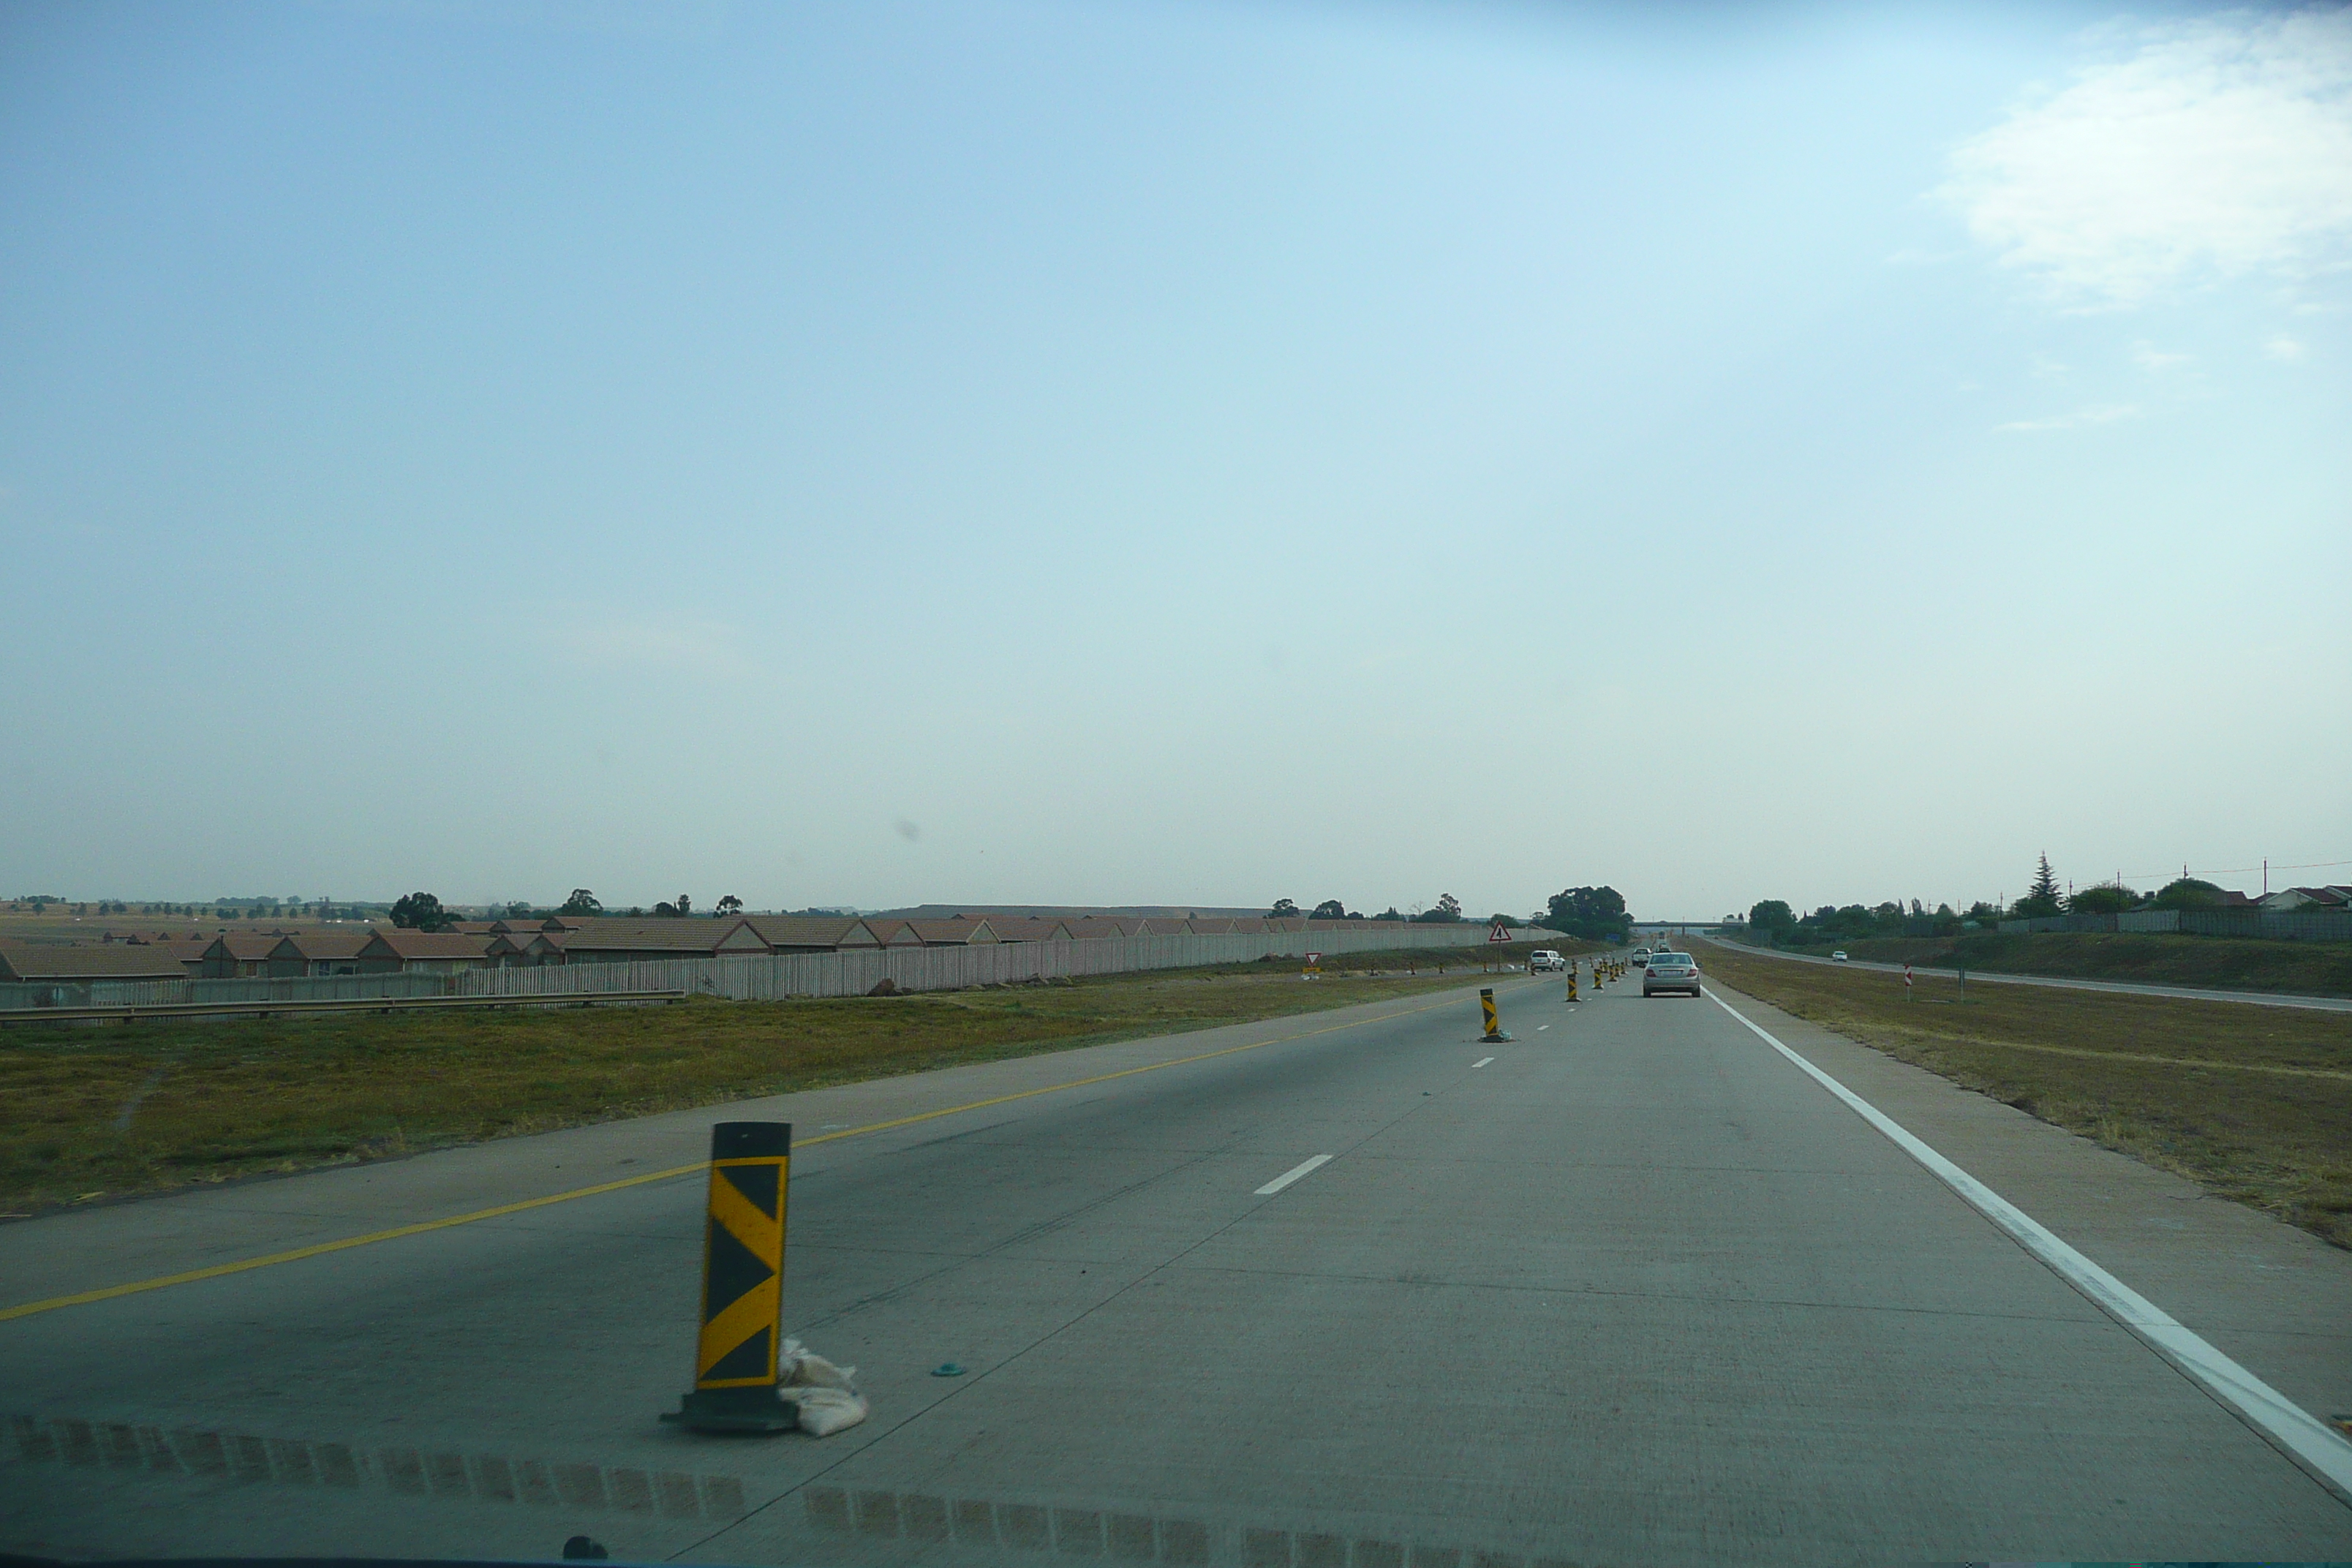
1500 933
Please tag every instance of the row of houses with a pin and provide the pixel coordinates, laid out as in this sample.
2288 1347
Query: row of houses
486 944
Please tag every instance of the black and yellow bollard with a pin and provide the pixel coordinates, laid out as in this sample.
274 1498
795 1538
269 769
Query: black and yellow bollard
742 1284
1494 1035
1571 982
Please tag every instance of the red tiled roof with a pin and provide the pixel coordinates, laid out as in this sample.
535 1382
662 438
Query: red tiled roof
811 930
412 944
107 961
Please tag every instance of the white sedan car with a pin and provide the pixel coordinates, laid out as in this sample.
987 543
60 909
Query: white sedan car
1669 972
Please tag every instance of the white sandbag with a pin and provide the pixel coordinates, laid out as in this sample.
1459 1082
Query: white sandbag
815 1371
797 1366
826 1396
825 1411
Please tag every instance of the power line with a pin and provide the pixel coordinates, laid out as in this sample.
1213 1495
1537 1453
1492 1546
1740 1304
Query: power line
2234 870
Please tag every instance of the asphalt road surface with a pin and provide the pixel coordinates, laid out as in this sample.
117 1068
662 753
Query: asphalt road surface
2127 987
1633 1287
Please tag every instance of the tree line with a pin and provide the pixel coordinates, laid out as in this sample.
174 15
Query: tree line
1774 919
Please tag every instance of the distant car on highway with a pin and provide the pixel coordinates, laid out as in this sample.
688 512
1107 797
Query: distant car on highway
1641 957
1838 957
1669 972
1545 958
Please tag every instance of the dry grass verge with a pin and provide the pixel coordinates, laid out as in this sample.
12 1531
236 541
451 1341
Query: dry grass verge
2220 962
87 1113
2253 1103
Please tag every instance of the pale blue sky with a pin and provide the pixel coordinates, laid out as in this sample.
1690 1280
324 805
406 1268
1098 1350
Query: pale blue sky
1172 452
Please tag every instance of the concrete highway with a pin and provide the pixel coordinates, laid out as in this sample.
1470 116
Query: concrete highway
1633 1287
2125 987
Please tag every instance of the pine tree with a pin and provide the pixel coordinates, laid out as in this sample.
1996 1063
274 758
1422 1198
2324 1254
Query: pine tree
2041 898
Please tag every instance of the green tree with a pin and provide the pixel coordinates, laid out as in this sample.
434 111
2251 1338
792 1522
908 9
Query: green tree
1331 910
729 905
2105 899
1283 909
1772 918
2187 893
421 911
1596 914
2042 899
581 902
1447 911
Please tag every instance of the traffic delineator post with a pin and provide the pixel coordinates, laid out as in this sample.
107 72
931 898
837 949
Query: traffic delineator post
1494 1035
1571 982
736 1349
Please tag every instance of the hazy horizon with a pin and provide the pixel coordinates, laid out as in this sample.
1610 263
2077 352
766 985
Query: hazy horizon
1062 452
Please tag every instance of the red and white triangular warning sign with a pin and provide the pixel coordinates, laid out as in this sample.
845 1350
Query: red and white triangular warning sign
1500 933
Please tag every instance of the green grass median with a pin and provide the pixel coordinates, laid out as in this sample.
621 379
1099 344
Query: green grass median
90 1112
2220 963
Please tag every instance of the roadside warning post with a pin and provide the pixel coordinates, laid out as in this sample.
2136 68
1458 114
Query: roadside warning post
742 1284
1494 1034
1571 982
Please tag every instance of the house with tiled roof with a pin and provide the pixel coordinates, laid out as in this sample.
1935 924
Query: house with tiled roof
427 952
525 949
962 931
619 941
1163 925
814 933
237 955
2310 901
1026 928
35 962
1086 927
317 952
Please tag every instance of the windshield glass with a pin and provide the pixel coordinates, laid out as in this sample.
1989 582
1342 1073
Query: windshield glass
946 703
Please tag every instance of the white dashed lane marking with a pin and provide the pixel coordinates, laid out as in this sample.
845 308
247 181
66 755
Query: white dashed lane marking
1292 1175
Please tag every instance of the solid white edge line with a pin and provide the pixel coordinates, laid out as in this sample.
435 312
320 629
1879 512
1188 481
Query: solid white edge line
1291 1176
1482 1061
2295 1428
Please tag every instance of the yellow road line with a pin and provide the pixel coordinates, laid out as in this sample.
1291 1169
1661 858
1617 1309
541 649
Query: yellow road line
298 1253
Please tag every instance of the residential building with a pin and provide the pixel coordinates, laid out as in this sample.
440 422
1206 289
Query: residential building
429 952
33 962
2309 899
812 933
317 952
616 941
